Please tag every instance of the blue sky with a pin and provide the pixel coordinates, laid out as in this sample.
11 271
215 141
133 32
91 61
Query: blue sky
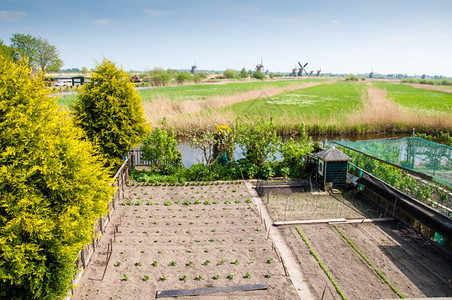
398 36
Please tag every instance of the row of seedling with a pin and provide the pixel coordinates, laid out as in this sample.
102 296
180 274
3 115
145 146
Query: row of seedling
185 203
191 183
198 277
207 262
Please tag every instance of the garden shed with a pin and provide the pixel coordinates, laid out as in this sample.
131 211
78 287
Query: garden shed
331 168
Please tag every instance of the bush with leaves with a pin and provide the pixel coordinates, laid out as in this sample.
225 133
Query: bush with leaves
230 74
258 75
160 148
53 187
182 77
293 152
244 74
258 141
109 110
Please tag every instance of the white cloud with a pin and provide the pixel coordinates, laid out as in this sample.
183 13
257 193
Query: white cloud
157 13
12 15
102 21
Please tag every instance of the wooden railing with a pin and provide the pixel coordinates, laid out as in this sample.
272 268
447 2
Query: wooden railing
119 182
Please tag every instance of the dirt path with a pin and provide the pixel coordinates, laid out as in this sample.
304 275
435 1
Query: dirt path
430 87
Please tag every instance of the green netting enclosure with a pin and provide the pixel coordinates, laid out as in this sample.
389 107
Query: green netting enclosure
412 153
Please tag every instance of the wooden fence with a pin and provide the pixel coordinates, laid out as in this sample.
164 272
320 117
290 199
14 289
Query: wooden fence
119 182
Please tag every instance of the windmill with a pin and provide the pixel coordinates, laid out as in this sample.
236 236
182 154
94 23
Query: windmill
318 72
302 69
310 73
371 74
260 67
193 68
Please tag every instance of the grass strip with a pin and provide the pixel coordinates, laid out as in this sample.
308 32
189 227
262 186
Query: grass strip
382 276
321 264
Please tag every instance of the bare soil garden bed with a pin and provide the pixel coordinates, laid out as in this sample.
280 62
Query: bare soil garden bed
413 266
185 237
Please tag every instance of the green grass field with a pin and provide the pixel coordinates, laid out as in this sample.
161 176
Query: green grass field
417 98
318 103
203 91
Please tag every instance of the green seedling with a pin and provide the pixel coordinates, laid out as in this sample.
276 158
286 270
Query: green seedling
231 276
248 201
163 277
125 277
168 203
235 262
173 263
247 275
190 263
227 202
117 264
220 262
270 260
183 278
145 278
155 263
199 277
207 262
216 276
267 275
238 201
138 263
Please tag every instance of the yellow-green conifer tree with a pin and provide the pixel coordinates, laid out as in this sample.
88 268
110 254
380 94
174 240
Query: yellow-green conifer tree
53 186
110 111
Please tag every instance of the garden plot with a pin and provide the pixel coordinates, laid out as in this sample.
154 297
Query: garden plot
392 260
313 206
185 237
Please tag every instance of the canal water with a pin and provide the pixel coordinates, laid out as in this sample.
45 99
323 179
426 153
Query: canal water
192 155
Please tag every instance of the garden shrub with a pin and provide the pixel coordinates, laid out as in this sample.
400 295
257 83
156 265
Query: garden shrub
109 110
160 148
53 187
259 141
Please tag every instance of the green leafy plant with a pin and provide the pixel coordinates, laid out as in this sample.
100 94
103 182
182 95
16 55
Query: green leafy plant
184 278
109 110
206 262
163 277
216 276
247 275
138 263
155 263
173 263
117 264
231 276
54 187
125 277
199 277
145 278
168 203
160 148
220 262
270 260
